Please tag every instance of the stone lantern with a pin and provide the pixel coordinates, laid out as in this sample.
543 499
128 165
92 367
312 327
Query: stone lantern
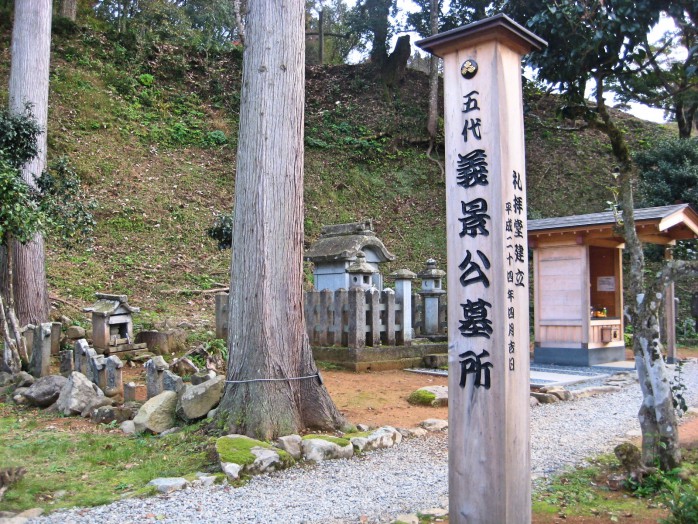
431 292
360 273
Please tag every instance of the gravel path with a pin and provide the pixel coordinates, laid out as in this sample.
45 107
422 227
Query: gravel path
382 484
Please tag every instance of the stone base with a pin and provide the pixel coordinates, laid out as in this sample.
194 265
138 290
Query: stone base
578 356
381 358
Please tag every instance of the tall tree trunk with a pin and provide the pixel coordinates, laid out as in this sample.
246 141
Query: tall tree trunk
432 116
29 74
660 436
273 386
68 9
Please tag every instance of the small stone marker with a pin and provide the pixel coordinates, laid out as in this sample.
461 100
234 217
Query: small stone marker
67 363
113 380
489 457
130 392
154 369
41 350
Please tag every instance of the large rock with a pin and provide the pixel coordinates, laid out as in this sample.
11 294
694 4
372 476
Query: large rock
75 332
434 424
24 379
385 437
560 392
202 376
239 453
107 414
76 394
6 379
95 404
319 449
184 367
196 401
169 484
265 460
291 444
545 398
436 396
45 390
157 414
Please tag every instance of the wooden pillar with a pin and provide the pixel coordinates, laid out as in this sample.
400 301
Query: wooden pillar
489 457
670 314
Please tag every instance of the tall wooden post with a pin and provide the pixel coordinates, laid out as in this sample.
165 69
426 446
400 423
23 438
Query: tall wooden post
489 457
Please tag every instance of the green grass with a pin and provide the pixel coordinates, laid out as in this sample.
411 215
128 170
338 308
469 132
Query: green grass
72 468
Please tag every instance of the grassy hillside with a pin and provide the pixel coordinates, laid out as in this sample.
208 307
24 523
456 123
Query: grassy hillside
153 136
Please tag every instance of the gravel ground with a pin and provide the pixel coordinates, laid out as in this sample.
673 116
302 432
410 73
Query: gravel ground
382 484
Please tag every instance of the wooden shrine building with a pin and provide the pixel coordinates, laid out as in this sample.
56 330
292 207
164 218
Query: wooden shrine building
578 281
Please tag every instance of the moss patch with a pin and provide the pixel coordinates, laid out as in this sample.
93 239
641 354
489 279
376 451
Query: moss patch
421 397
238 450
335 440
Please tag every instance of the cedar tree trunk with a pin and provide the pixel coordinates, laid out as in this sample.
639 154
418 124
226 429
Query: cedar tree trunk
29 72
267 338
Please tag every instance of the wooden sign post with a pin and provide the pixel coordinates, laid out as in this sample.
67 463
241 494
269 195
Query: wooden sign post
488 378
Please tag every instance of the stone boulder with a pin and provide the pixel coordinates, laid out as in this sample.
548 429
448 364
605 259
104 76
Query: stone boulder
434 424
169 484
385 437
95 404
545 398
108 414
6 379
436 396
45 390
319 448
595 390
202 376
157 414
196 401
291 444
560 392
77 392
184 367
24 379
241 454
75 332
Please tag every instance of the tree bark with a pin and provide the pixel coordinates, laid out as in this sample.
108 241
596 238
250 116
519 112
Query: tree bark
268 394
432 116
29 75
68 9
660 437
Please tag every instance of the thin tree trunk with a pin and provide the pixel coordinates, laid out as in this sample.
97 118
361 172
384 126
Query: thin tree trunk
432 117
273 387
657 417
29 75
